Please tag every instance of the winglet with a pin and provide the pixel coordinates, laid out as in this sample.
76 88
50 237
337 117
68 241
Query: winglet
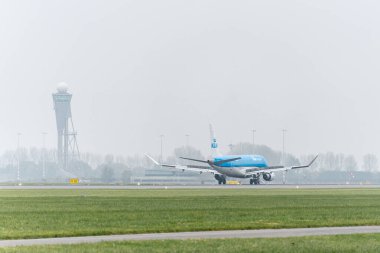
151 158
305 166
313 161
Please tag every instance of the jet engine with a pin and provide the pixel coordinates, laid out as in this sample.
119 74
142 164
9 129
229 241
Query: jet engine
268 176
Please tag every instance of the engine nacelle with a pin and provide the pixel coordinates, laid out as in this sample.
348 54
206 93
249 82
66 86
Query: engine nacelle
268 176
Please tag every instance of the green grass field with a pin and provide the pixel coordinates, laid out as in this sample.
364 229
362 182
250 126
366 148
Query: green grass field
53 213
345 243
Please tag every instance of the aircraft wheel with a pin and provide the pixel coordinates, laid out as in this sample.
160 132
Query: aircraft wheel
251 181
224 181
219 181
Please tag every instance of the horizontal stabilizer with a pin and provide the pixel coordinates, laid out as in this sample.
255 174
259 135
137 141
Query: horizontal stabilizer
226 161
194 160
218 163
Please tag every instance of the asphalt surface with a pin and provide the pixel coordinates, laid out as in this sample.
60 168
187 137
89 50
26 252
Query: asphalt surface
265 233
147 187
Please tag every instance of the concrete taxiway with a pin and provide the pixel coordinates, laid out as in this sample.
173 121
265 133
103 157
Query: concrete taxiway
263 233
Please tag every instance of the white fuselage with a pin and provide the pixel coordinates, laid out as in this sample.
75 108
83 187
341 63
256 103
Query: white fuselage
238 172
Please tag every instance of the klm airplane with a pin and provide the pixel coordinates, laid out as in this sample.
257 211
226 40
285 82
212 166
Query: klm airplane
236 166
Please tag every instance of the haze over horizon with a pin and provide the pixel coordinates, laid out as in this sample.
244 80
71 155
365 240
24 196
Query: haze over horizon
138 69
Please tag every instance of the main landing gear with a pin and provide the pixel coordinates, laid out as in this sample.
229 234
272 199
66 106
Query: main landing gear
255 180
221 179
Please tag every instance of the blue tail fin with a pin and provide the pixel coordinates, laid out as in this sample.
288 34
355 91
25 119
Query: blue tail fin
214 144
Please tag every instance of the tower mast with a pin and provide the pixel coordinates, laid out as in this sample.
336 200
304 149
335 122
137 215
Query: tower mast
67 143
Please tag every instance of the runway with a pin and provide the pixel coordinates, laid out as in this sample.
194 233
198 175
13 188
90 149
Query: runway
148 187
265 233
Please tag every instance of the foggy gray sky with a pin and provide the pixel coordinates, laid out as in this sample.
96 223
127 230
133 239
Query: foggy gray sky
141 68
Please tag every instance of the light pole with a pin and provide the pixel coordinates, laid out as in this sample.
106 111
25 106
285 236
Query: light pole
231 147
253 141
187 149
162 140
18 157
187 140
283 155
43 156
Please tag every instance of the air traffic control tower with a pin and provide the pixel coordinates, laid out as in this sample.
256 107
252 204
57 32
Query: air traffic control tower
67 143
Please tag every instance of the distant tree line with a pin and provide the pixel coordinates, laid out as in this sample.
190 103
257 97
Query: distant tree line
120 169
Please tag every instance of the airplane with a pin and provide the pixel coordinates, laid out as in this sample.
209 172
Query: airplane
236 166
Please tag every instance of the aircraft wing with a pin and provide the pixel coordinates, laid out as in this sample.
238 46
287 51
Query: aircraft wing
252 171
194 168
